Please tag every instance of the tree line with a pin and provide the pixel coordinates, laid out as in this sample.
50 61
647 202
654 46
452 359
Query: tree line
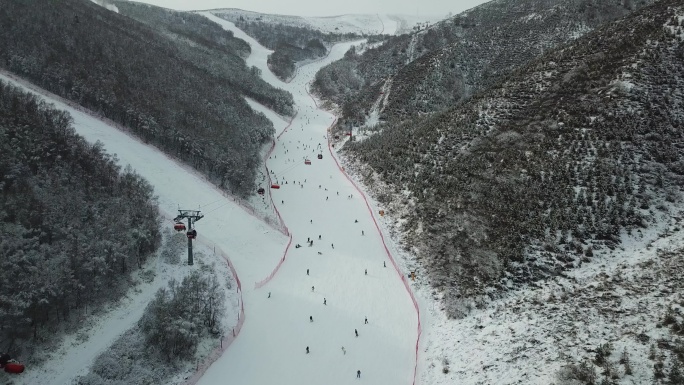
73 225
180 88
562 157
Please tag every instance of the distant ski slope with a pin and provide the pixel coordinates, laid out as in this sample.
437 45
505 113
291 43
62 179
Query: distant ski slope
389 24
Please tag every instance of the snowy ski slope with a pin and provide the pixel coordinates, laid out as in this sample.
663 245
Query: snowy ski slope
270 348
277 330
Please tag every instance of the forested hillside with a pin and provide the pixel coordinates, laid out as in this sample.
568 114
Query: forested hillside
72 225
291 44
435 68
179 87
565 155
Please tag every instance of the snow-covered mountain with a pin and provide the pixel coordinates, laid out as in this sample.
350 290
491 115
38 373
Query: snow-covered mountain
575 155
363 24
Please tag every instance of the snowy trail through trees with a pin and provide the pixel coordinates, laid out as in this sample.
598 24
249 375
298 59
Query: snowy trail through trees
315 200
339 281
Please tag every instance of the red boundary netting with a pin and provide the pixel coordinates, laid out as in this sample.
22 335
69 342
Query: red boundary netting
403 278
284 228
226 341
263 282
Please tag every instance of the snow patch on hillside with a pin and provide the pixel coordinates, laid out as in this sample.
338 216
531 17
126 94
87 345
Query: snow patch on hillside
365 24
107 5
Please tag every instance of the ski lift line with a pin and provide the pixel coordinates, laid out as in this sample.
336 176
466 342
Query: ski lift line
283 229
209 204
389 255
288 170
220 207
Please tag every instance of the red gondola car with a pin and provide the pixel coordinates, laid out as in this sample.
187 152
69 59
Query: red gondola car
275 186
14 367
179 226
320 156
307 162
192 234
261 191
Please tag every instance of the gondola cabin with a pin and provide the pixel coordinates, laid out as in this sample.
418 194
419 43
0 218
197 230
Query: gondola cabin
14 367
179 226
261 191
192 234
307 162
349 133
320 156
275 186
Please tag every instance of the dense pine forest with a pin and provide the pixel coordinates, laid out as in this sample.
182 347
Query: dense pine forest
432 69
563 156
178 83
73 225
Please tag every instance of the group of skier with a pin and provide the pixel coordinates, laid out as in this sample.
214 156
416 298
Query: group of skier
310 240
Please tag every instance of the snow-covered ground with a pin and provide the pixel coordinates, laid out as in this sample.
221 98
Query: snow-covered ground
347 281
277 330
523 338
388 24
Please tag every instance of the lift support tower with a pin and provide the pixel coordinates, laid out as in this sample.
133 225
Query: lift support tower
191 216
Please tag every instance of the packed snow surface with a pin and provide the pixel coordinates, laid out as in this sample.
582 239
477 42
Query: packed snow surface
317 200
388 24
323 293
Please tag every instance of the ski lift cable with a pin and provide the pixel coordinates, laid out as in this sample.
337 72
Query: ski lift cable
287 170
210 203
223 205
